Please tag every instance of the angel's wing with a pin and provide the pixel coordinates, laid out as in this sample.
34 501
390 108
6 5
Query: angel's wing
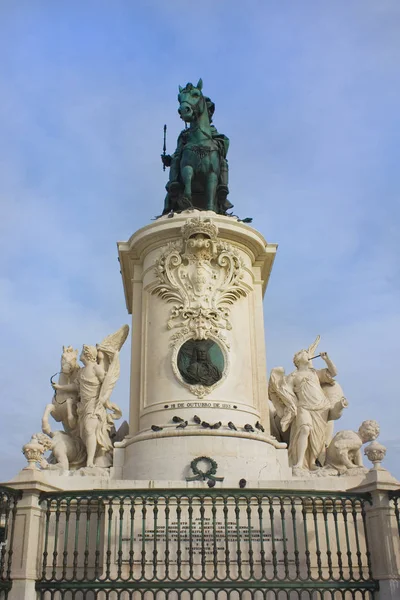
282 397
275 380
111 345
109 381
114 342
311 349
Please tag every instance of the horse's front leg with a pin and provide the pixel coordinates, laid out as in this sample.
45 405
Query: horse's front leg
187 176
71 417
45 419
211 189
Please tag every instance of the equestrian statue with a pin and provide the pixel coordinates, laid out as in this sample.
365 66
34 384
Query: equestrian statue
198 176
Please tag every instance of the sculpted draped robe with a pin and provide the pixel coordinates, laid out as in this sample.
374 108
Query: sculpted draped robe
89 407
313 410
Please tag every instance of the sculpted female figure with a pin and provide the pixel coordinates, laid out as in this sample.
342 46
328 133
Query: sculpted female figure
94 385
306 401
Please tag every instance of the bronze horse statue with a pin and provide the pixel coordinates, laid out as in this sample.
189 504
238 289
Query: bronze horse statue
198 168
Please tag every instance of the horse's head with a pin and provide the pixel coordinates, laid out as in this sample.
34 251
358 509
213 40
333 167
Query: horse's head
69 360
192 103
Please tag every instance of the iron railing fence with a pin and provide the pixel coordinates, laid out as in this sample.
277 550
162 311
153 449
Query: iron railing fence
214 593
188 544
8 508
394 496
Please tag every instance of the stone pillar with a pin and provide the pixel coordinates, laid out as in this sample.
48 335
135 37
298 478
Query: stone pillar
382 531
28 534
194 285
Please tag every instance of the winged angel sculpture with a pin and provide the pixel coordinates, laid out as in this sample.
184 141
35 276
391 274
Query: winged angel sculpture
89 443
307 401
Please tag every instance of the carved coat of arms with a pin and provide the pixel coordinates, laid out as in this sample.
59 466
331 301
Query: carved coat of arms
201 276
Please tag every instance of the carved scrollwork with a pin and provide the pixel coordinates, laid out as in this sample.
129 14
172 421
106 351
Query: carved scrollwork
202 277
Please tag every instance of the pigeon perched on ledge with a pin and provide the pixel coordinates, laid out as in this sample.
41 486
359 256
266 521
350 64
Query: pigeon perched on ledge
216 425
232 426
182 425
248 427
178 420
156 428
259 426
242 483
197 419
205 424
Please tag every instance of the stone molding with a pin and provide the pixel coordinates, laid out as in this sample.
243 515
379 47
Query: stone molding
191 431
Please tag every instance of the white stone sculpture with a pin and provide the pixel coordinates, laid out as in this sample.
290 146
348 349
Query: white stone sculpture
344 451
375 452
202 276
83 406
33 452
67 450
306 401
63 406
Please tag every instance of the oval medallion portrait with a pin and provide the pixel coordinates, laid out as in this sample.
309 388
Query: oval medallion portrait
201 362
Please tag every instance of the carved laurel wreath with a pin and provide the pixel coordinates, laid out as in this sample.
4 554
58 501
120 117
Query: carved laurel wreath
200 475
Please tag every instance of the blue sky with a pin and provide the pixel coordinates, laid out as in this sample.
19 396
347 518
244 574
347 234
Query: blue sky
308 93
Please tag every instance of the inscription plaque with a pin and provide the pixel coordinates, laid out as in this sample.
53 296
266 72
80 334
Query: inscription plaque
205 534
205 538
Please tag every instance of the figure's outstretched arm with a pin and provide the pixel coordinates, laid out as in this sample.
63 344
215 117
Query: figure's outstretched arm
101 367
329 364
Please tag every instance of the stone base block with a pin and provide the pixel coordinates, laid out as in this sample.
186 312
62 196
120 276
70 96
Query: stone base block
22 589
169 458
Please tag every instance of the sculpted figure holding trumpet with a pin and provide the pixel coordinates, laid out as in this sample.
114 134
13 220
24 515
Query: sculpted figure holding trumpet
306 401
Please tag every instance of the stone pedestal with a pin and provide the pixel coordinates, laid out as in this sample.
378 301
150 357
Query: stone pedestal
28 533
248 458
383 534
194 284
